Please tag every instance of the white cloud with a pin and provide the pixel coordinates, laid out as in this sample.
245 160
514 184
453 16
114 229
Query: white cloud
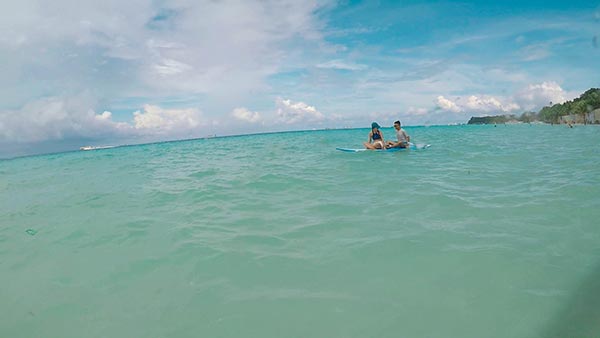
534 52
531 98
105 116
417 111
172 47
57 118
477 104
489 104
447 105
542 50
174 122
171 67
341 65
223 54
382 117
296 112
336 117
535 96
246 115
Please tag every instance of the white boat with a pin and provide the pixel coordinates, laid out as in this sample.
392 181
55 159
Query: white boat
95 147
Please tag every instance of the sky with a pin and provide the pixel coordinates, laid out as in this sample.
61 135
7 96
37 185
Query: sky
77 72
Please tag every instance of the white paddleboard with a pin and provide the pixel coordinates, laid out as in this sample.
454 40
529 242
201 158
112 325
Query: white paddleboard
412 146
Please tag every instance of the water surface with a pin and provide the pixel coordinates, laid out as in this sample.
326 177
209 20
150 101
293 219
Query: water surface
491 232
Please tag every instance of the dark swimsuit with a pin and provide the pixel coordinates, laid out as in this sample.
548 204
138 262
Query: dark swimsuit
376 136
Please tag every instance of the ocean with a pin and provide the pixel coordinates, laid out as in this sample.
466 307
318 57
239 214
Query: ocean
493 231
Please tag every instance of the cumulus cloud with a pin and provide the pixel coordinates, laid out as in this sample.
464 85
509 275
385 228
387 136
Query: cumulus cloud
531 98
246 115
174 122
297 112
447 105
57 118
489 104
477 104
535 96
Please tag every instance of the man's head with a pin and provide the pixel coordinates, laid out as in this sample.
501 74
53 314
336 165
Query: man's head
397 125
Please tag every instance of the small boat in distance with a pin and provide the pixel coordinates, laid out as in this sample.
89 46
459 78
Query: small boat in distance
95 147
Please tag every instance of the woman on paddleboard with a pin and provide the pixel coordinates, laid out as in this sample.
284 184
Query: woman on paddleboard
375 138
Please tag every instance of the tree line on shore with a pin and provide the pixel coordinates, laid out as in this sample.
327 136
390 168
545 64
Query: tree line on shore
584 104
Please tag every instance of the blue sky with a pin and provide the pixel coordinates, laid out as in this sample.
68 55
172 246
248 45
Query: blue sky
78 73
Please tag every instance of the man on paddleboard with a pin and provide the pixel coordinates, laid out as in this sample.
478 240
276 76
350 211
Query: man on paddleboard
402 136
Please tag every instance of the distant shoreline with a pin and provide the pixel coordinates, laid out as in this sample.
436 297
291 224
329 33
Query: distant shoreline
502 119
583 110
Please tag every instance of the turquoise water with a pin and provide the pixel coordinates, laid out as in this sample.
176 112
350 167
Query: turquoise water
491 232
